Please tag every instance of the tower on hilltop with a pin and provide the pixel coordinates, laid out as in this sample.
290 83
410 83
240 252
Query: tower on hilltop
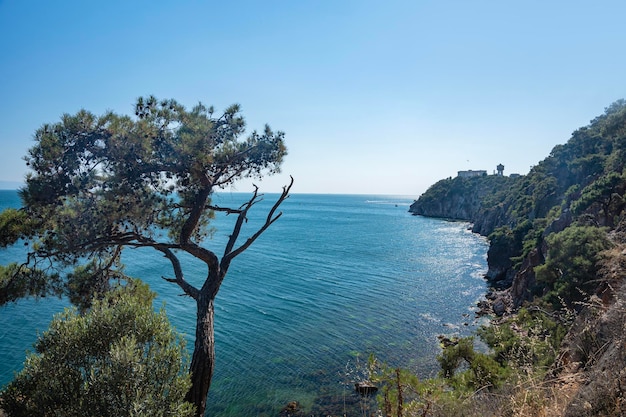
500 169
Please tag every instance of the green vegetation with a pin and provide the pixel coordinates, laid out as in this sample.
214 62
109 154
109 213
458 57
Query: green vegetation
483 371
527 341
18 281
102 184
606 192
506 381
554 232
571 267
580 186
463 198
120 358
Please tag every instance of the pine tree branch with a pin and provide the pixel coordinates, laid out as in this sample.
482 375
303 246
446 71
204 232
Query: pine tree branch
230 254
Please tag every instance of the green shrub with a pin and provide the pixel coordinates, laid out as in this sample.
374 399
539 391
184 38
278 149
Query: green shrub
118 359
482 370
571 265
528 341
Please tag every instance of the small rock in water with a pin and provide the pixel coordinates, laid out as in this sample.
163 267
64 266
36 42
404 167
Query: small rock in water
447 341
290 410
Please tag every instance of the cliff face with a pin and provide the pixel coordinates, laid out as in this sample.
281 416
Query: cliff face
472 199
582 182
456 200
558 245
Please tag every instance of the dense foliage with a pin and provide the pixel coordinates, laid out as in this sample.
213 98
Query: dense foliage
571 266
118 359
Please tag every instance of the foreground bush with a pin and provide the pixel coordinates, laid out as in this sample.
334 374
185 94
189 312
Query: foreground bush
118 359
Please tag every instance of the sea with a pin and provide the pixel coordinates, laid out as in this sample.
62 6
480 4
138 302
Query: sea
336 279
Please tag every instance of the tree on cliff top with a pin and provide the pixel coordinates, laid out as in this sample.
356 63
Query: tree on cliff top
102 184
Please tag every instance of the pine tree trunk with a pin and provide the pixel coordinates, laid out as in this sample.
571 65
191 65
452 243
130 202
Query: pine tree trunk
203 359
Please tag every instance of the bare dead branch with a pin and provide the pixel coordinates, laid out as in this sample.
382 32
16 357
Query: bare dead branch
243 213
270 219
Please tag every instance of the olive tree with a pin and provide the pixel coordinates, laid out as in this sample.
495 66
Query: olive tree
120 358
102 184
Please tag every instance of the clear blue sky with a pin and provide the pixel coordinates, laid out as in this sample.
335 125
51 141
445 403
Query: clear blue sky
375 97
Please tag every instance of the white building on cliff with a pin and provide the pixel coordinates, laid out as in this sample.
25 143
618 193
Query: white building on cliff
470 173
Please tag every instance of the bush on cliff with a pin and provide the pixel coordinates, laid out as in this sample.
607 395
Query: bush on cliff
569 273
482 372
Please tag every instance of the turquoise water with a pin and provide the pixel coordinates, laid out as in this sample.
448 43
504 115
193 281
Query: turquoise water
336 278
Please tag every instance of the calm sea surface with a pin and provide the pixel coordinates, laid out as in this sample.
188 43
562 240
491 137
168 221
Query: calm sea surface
336 278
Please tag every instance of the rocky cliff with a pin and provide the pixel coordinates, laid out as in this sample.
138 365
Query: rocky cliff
478 200
558 247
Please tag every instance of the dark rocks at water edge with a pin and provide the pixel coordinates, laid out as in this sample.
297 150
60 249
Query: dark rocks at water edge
496 303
